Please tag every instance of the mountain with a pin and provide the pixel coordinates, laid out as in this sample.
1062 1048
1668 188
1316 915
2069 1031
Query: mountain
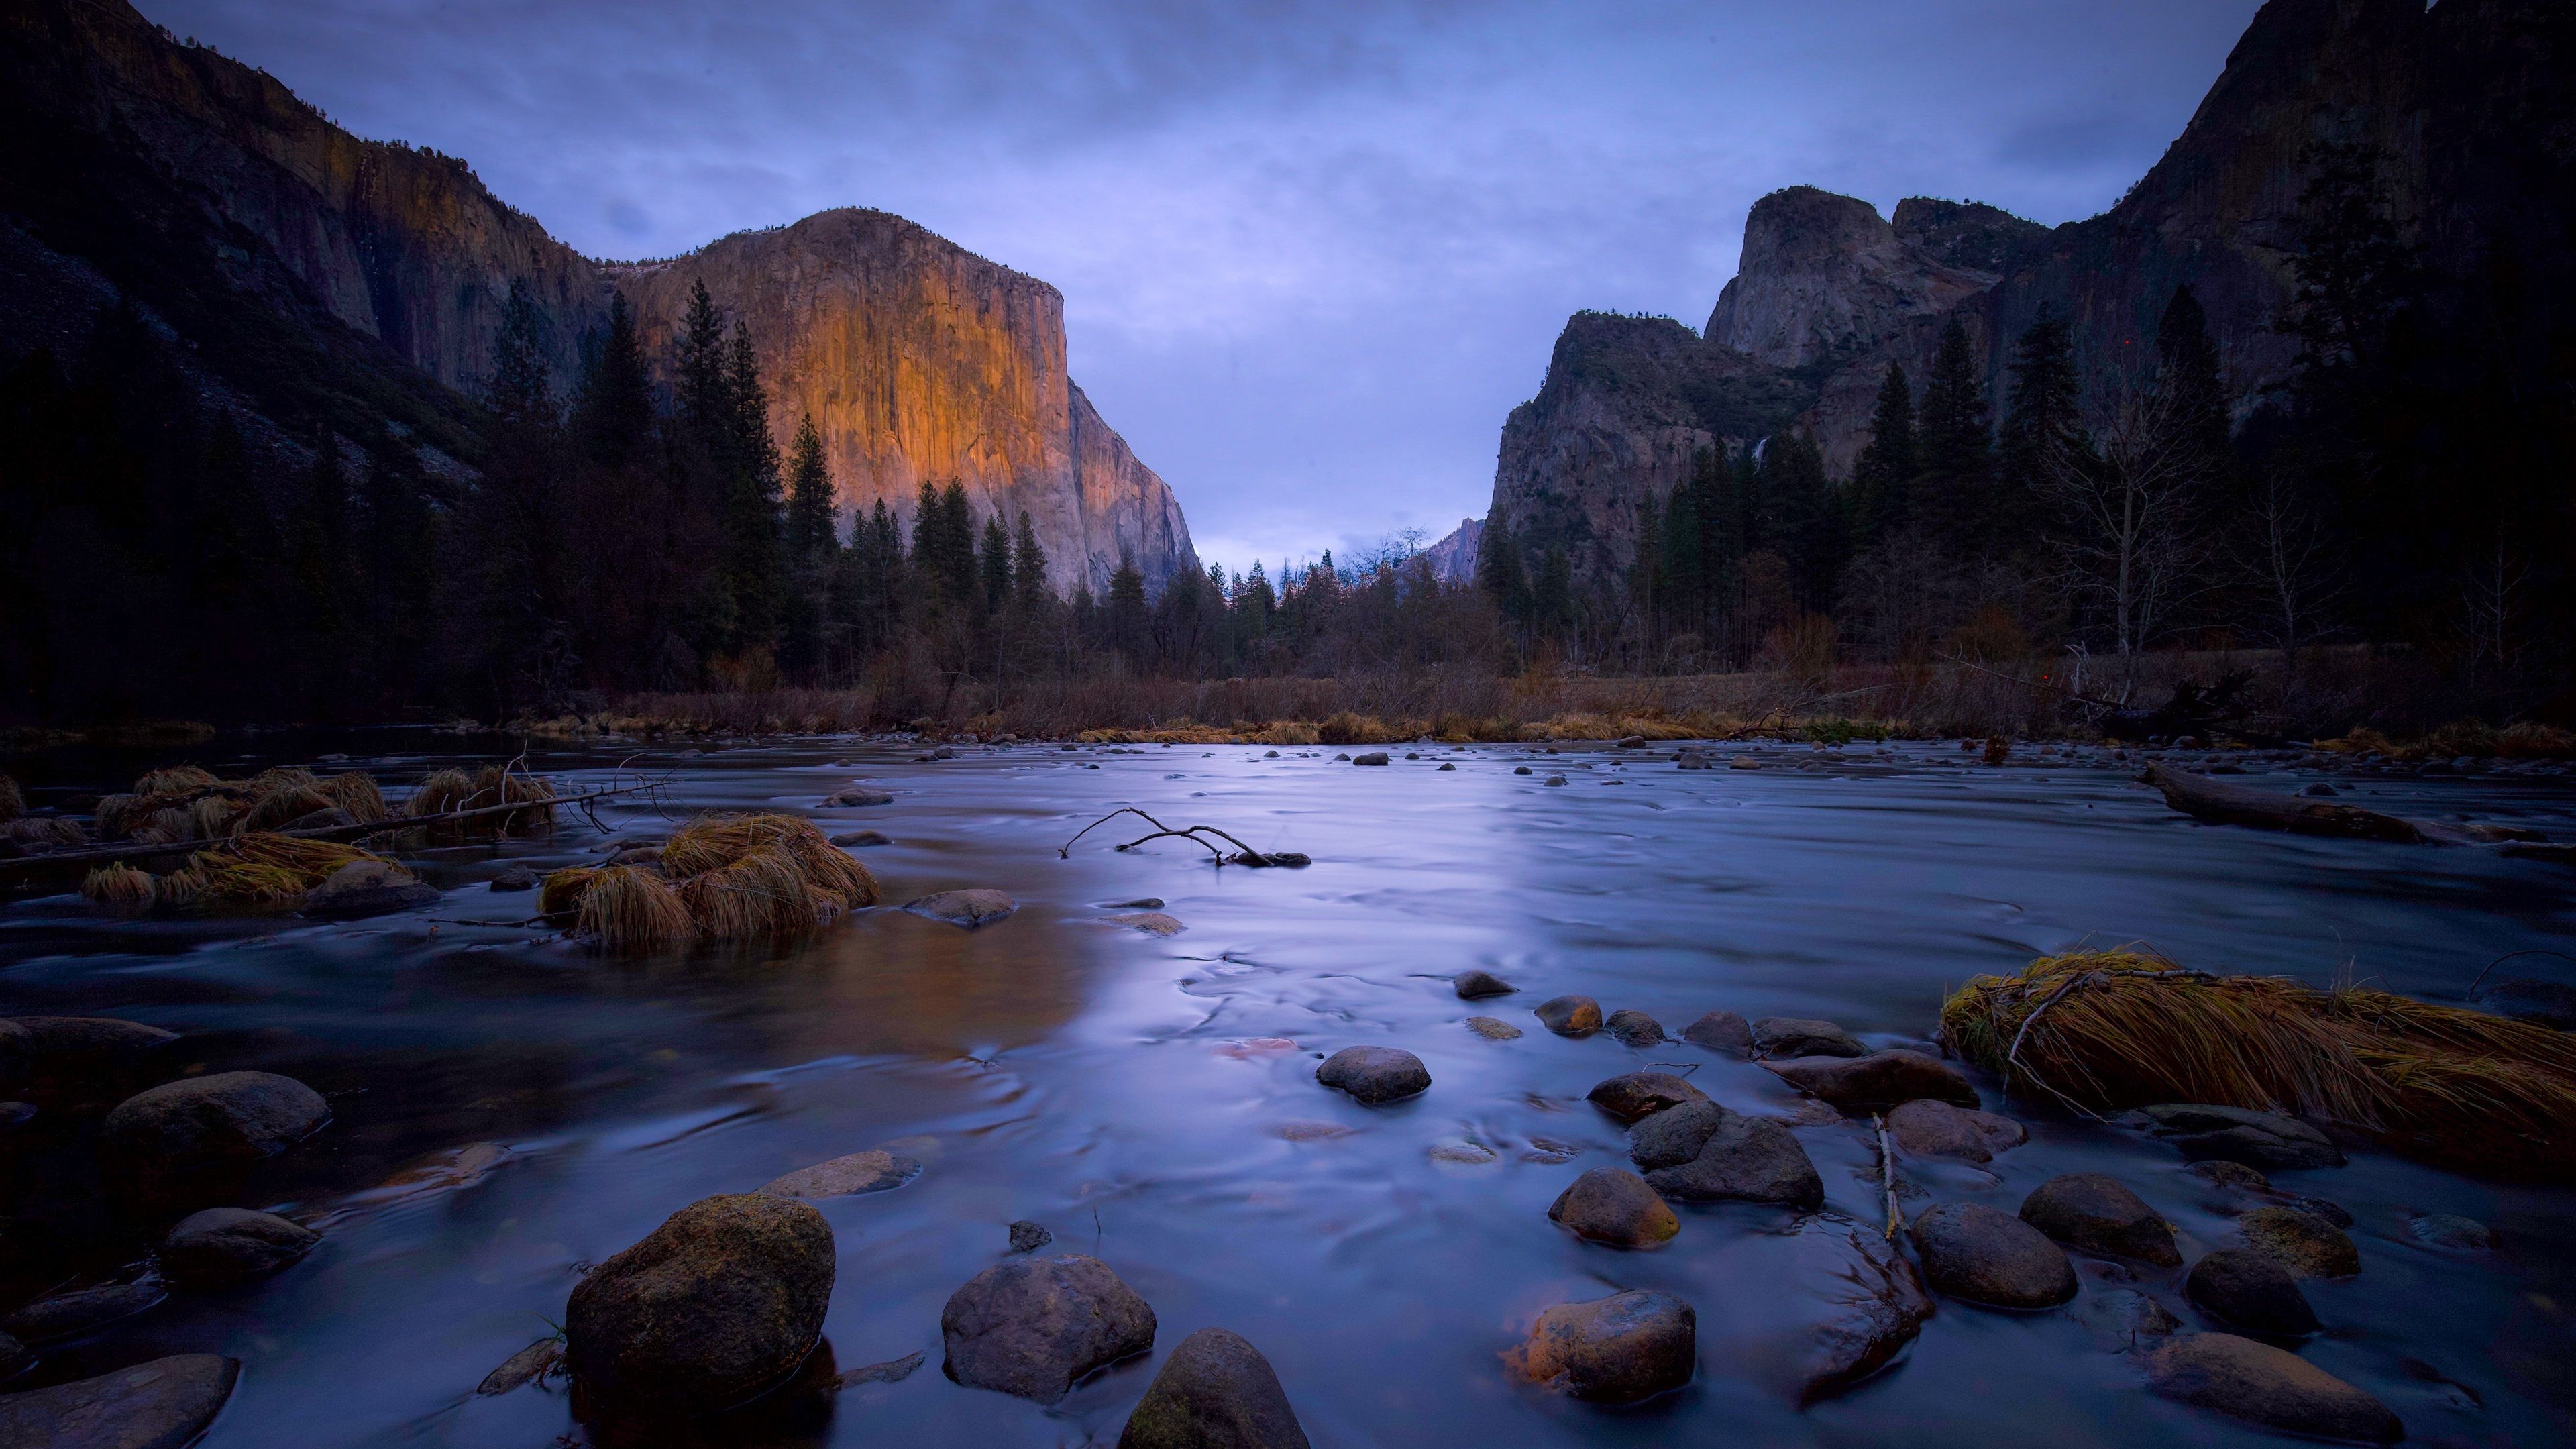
1453 558
317 279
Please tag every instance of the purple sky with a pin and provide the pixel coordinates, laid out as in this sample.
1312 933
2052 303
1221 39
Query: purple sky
1311 254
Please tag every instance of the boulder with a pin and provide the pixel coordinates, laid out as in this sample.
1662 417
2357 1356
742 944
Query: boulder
1928 1128
2303 1242
1570 1015
1798 1036
1616 1350
1838 1303
1973 1252
981 906
1632 1095
1477 985
1215 1392
2543 1003
226 1245
1675 1135
1372 757
1878 1081
163 1404
1032 1326
873 1171
1614 1206
855 796
1720 1031
73 1060
2097 1214
2244 1289
2002 1133
720 1303
1375 1074
184 1138
2265 1385
863 838
2220 1172
60 1317
1493 1028
1745 1159
2266 1141
1635 1028
2124 1315
367 888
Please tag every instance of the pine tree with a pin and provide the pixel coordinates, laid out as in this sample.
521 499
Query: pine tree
1127 617
1498 568
993 561
2354 271
755 566
699 369
809 496
1887 464
1955 439
1552 596
2187 366
614 413
1028 566
1801 519
1682 556
2044 427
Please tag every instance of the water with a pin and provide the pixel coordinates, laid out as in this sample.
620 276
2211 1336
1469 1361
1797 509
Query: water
1128 1091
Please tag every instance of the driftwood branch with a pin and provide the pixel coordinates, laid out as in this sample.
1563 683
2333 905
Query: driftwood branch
2203 798
1245 854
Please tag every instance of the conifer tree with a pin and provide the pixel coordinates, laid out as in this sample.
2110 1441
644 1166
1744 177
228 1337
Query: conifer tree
1954 436
993 561
2044 427
1127 616
2188 367
1028 566
1887 463
809 496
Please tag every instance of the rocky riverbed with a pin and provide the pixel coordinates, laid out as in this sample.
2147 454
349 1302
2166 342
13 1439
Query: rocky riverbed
1141 1145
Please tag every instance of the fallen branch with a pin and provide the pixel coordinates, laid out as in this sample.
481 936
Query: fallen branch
1244 854
1886 1173
2203 798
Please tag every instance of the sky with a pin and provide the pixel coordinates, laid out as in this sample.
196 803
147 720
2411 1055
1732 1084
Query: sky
1312 254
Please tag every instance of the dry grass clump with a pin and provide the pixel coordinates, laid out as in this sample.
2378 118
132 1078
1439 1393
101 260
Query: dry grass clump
184 803
1347 728
2110 1030
118 885
13 801
282 806
175 780
1183 733
258 869
763 894
356 793
1285 732
630 908
491 785
560 893
47 832
443 791
728 877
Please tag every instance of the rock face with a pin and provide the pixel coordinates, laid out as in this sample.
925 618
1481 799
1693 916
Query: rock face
1617 1350
1216 1391
2264 1385
220 1246
1825 277
1032 1326
163 1404
1453 558
1973 1252
158 1145
721 1302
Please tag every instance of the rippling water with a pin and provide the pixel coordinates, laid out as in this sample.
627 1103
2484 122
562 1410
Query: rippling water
1122 1090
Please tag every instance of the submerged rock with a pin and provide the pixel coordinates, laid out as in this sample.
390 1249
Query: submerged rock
2266 1141
2125 1315
1798 1036
2543 1003
1635 1028
1745 1159
1570 1015
523 1368
1375 1074
1216 1391
2452 1232
368 888
2303 1242
1973 1252
1878 1081
515 878
864 838
1477 985
1031 1327
721 1302
873 1171
1373 757
225 1245
2244 1289
81 1312
857 795
2098 1214
1929 1128
1720 1031
2265 1385
1152 923
980 906
1837 1304
1028 1237
163 1404
1614 1206
1493 1028
1616 1350
164 1146
1632 1095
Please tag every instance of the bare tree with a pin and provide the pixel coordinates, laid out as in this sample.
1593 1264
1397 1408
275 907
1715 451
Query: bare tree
2287 555
2131 533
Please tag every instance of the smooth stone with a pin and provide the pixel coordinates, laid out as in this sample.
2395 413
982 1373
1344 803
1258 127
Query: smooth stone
1215 1392
1493 1028
1632 1095
1570 1015
1798 1036
155 1142
1028 1237
70 1060
637 855
1477 985
1614 1206
855 796
1373 757
1675 1135
892 1371
866 838
1976 1253
2223 1173
1720 1031
1928 1128
1838 1304
522 1368
515 878
1616 1350
163 1404
2542 1003
1746 1159
2125 1315
2333 1212
2303 1242
1553 780
2002 1133
365 888
1374 1073
723 1301
1141 903
2266 1141
1876 1082
81 1312
1459 1152
1152 923
2265 1385
980 906
1520 769
1031 1327
2245 1289
225 1245
2098 1214
1635 1028
2450 1231
873 1171
1447 766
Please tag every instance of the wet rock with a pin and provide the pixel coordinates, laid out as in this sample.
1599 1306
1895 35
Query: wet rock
1373 757
1675 1135
2098 1214
523 1368
1493 1028
2320 788
2245 1289
515 878
2302 1242
2332 1212
177 1140
855 796
1878 1081
1152 923
1028 1237
2266 1141
1215 1392
862 838
892 1371
1634 1028
2543 1003
981 906
1615 1350
2125 1315
1520 769
1614 1206
1447 766
1745 1159
1797 1036
1141 903
1032 1326
873 1171
1570 1015
1632 1095
1973 1252
1477 985
637 855
1375 1074
2452 1233
1720 1031
721 1302
1839 1304
2264 1385
163 1404
225 1245
75 1060
1928 1128
2002 1133
1459 1152
365 888
58 1317
2223 1173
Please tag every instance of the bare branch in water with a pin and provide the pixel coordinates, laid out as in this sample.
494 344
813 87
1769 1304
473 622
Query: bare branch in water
1245 854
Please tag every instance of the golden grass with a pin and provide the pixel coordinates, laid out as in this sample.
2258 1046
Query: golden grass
357 794
1286 732
1347 728
491 785
2123 1029
630 908
714 842
117 885
212 816
721 877
443 791
117 815
13 801
762 894
175 780
282 805
259 869
559 895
